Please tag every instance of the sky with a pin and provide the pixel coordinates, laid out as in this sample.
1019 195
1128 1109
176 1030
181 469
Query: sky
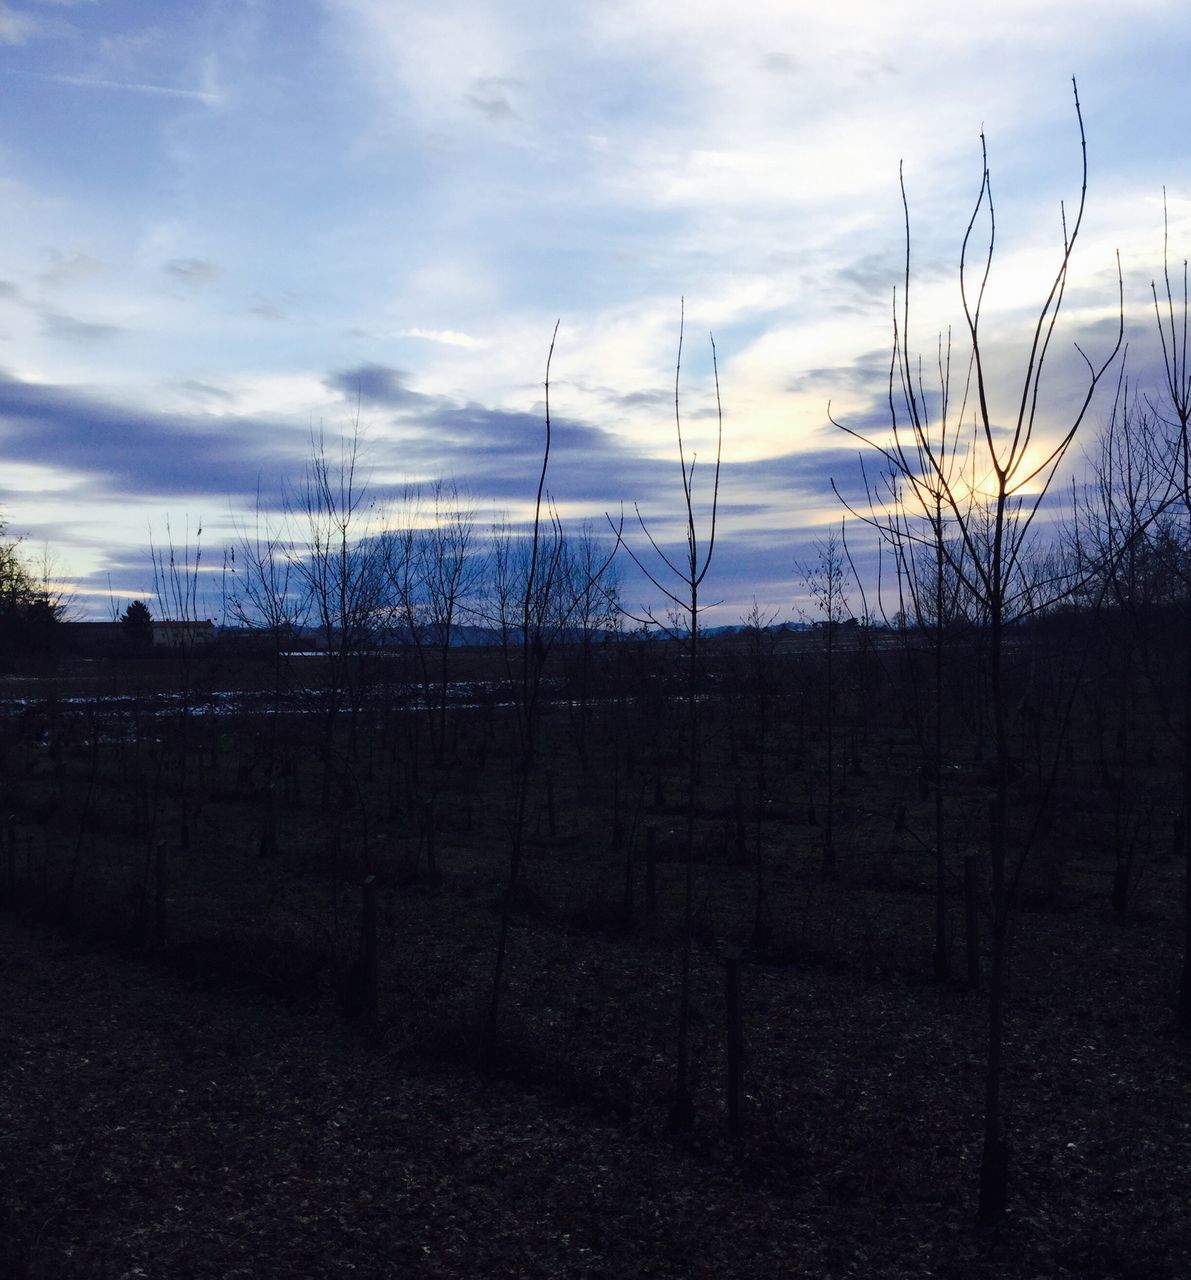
231 225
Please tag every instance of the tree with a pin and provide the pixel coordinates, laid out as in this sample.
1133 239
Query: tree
1174 320
826 582
440 562
761 647
539 624
341 574
176 576
993 573
30 607
137 624
266 591
1116 542
992 509
679 579
596 611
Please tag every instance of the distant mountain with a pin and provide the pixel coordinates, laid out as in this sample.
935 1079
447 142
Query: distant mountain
742 628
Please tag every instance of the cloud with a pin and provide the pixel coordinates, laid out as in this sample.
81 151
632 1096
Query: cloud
500 451
127 453
448 337
206 96
660 399
117 457
782 64
206 390
70 329
193 270
805 477
866 376
131 453
68 268
497 452
488 95
16 27
375 384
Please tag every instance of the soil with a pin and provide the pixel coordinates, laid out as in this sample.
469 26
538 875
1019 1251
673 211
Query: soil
201 1095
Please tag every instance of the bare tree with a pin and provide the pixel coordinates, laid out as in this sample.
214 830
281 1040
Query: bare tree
993 514
539 622
341 573
927 461
826 583
993 573
1174 319
266 583
448 567
267 595
761 640
592 599
176 578
176 570
680 579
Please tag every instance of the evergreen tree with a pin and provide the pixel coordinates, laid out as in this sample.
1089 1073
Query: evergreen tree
137 622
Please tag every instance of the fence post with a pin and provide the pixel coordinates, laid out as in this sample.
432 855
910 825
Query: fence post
550 814
11 838
369 966
431 852
628 903
268 845
651 872
735 1042
741 838
159 870
971 923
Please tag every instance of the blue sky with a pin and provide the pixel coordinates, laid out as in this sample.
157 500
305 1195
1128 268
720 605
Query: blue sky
229 223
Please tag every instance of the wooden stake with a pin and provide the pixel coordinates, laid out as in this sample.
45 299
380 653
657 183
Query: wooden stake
971 923
735 1043
369 985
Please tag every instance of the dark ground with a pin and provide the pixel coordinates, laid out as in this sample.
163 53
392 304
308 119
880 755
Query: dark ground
152 1128
203 1108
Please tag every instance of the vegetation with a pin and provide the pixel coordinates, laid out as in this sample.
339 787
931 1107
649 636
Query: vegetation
29 608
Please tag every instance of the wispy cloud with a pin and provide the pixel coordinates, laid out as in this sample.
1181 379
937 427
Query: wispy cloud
208 96
16 27
71 329
490 96
448 337
193 270
68 268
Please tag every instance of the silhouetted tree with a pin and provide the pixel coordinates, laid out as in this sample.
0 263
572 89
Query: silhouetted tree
1173 319
29 608
826 583
679 579
341 575
539 623
137 625
993 516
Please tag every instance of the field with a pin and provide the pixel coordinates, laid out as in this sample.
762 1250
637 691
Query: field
200 1079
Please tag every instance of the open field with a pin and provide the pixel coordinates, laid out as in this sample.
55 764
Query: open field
194 1086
